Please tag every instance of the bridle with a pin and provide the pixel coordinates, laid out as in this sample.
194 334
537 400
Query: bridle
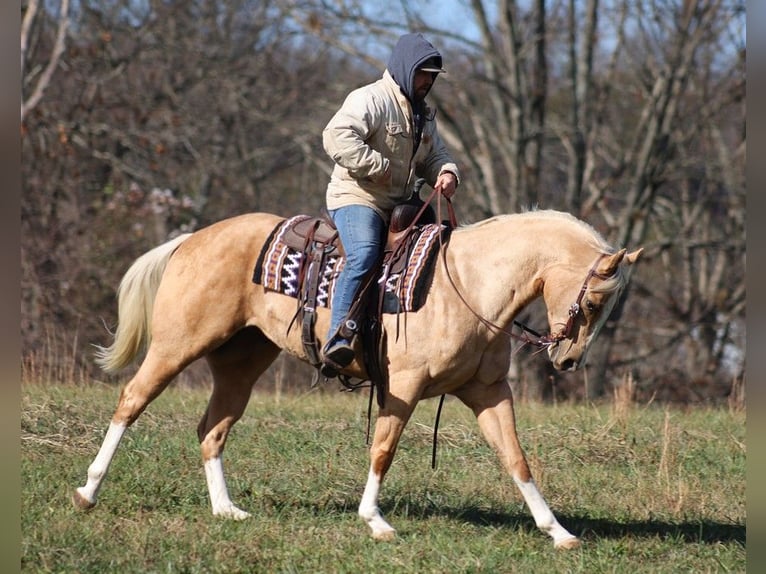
574 309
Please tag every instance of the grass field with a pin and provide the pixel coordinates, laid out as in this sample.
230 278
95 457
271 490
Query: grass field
648 489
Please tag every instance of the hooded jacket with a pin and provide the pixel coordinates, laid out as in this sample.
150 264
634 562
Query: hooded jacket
374 132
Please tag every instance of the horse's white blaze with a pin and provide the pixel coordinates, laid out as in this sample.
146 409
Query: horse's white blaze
369 511
100 465
219 494
544 518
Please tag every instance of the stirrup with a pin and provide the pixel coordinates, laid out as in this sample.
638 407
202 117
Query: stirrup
328 371
337 358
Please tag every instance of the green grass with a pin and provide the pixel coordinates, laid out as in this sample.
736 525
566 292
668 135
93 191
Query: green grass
648 489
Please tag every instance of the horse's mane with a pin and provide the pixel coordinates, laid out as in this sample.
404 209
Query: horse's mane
589 233
562 216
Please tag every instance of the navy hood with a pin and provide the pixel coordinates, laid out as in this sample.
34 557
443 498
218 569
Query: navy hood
409 53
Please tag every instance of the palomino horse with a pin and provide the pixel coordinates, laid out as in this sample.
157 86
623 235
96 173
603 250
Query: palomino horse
193 297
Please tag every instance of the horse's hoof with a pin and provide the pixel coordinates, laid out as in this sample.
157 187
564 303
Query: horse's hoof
384 535
81 502
568 544
232 513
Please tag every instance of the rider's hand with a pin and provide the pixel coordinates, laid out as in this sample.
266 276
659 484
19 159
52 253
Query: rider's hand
446 184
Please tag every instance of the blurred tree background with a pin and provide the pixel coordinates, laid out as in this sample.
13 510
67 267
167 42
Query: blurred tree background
142 119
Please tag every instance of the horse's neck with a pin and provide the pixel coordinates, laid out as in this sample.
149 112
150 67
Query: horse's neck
500 269
519 254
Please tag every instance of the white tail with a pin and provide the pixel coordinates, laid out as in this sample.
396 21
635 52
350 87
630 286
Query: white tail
135 297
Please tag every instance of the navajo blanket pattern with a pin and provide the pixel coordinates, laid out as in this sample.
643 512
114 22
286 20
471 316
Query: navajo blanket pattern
278 265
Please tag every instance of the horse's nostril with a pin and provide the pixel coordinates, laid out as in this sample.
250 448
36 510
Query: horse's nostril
568 365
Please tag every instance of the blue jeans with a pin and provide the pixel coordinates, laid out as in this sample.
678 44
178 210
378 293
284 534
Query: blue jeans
363 233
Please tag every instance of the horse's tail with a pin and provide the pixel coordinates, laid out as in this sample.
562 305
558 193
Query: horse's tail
135 302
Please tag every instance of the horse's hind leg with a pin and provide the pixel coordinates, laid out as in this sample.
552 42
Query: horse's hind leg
493 407
152 377
235 367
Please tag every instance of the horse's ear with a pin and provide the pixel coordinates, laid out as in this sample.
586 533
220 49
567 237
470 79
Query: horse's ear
609 263
632 257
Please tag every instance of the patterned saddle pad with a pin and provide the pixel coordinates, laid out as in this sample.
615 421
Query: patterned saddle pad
277 270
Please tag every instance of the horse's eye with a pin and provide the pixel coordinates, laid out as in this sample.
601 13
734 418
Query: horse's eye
590 305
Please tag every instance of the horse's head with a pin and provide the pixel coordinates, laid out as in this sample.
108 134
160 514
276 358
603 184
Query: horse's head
579 305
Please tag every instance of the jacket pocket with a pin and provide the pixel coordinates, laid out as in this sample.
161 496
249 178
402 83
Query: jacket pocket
398 148
394 129
397 138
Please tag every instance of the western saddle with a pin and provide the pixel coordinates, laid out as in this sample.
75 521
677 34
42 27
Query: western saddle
317 238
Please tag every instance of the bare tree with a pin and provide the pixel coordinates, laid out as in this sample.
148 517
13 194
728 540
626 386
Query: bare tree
579 128
674 77
36 80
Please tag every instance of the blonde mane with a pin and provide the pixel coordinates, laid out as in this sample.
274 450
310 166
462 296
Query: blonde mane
562 217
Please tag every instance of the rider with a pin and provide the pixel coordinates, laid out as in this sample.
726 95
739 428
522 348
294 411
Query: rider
382 139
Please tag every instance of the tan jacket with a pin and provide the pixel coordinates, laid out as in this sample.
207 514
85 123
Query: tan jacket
371 133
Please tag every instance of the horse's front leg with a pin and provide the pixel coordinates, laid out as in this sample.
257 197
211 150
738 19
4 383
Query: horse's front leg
493 407
388 430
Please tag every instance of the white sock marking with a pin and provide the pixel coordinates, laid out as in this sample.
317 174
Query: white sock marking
544 518
369 511
100 465
219 494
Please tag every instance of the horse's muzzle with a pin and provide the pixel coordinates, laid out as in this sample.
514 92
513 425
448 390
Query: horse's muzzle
562 364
